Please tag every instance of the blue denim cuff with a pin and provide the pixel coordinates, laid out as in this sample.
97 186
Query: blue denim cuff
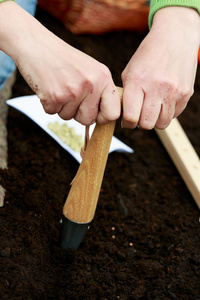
7 65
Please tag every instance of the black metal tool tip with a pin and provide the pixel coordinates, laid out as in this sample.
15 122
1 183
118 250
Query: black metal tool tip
72 233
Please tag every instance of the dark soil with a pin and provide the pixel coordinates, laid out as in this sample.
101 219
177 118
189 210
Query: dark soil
144 240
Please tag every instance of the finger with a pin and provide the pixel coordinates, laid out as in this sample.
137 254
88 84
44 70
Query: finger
166 114
88 109
64 101
132 103
179 109
70 106
68 110
180 106
149 113
110 106
50 108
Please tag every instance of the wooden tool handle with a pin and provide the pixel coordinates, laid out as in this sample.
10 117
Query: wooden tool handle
82 200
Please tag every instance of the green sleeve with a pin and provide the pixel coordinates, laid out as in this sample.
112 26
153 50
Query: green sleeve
155 5
5 0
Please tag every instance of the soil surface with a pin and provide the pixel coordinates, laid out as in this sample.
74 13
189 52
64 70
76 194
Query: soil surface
144 240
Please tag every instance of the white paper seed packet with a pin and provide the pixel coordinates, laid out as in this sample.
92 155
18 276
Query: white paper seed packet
32 108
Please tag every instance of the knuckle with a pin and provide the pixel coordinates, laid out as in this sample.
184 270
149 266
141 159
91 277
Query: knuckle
136 77
55 97
166 86
173 88
186 93
86 85
105 72
65 95
71 93
163 82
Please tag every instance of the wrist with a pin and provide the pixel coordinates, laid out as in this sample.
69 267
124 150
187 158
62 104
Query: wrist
183 20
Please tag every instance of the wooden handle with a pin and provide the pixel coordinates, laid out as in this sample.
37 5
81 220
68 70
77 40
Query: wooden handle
83 196
183 155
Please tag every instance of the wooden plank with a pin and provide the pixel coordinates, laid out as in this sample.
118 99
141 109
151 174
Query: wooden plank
183 155
5 94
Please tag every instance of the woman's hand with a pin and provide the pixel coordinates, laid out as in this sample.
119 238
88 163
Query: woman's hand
67 81
159 79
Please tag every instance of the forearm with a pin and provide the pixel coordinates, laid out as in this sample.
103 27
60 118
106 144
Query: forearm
11 19
156 5
67 81
16 27
183 21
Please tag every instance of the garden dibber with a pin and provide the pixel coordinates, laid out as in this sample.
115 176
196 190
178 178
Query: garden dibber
80 206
